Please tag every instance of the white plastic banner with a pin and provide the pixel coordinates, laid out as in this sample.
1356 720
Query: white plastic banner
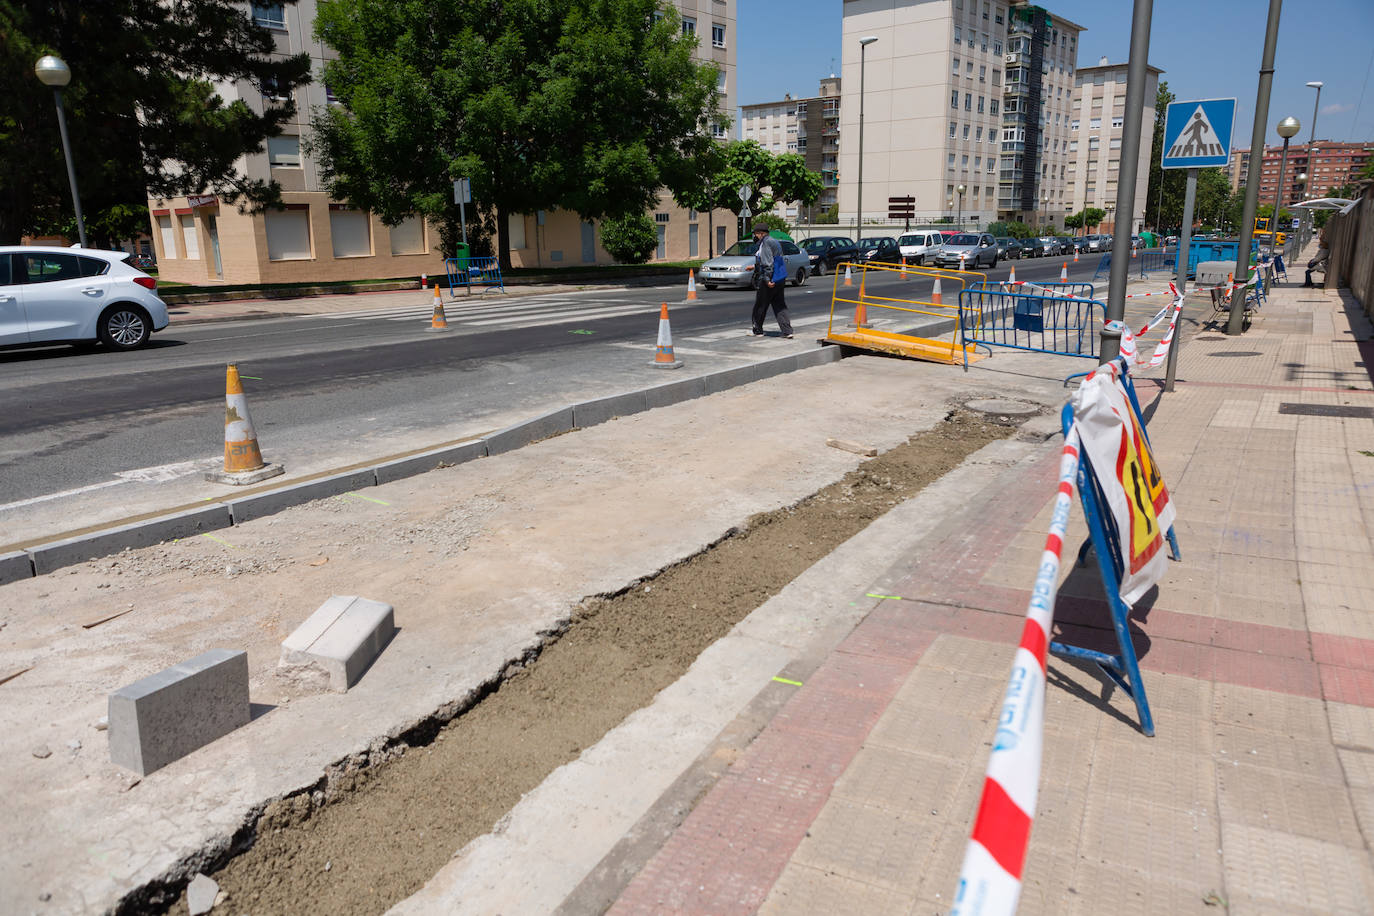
1136 497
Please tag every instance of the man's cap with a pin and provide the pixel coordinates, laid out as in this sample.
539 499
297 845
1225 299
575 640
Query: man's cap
760 227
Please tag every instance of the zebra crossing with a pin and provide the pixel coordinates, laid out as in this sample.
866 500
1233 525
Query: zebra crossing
491 312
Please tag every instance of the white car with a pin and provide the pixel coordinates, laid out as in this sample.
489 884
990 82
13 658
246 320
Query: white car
75 295
920 246
735 265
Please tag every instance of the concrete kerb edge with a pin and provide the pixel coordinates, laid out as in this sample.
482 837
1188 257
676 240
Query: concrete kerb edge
44 558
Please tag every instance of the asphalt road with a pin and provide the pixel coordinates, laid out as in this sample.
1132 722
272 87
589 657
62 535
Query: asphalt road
88 436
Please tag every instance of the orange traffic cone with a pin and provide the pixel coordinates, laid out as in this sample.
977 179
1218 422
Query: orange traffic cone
691 285
243 462
1075 254
861 311
1064 273
848 277
935 297
903 268
440 321
663 356
1133 251
1012 279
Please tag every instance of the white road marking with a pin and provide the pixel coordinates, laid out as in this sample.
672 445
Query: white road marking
648 350
158 474
50 496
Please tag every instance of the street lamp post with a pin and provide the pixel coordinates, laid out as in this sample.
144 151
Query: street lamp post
1317 85
1287 128
859 204
53 71
960 220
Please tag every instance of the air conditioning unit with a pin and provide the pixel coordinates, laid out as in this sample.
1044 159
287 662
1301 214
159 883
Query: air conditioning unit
1010 58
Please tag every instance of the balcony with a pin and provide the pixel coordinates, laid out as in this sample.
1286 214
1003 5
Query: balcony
1015 90
1013 146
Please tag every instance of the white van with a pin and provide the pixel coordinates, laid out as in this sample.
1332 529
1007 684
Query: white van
921 245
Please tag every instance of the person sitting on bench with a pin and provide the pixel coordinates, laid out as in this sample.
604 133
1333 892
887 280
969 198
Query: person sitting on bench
1319 262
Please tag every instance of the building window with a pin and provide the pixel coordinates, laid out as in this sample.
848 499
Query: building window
998 19
993 105
964 163
169 238
270 15
1116 143
982 74
189 237
1073 146
968 69
980 104
997 45
950 161
408 236
966 129
953 129
1118 122
689 26
717 35
661 217
272 89
515 226
350 233
977 162
968 101
957 35
720 82
955 71
954 99
718 130
1095 124
987 9
1094 143
284 152
979 139
288 234
1073 125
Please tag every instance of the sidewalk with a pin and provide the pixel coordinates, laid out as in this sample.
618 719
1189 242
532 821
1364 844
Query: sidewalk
854 791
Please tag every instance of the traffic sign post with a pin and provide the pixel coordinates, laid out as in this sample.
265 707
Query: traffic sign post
462 196
903 208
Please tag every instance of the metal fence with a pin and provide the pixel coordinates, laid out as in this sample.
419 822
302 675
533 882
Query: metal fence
1058 320
470 272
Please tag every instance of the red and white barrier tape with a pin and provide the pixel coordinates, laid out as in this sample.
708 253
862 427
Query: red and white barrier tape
990 879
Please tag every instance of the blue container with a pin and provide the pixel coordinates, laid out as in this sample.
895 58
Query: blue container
1216 250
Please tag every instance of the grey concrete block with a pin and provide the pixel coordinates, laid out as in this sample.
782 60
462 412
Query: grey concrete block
819 357
779 366
168 715
522 434
15 566
261 504
674 393
411 465
730 378
342 638
56 554
590 413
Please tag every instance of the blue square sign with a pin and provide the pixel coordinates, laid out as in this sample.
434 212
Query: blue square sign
1197 135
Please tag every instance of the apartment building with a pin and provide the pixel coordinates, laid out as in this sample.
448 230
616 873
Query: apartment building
199 239
1326 164
809 127
967 104
1095 135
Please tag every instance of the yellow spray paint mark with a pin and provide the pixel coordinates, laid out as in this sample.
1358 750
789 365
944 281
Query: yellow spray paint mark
219 540
783 680
380 502
886 597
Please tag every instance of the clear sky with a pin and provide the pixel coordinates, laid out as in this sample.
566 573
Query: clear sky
1207 48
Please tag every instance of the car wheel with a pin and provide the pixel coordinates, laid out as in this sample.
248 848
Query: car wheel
994 262
801 277
820 269
124 327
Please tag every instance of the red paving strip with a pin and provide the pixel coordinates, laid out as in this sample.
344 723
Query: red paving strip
1347 651
1347 685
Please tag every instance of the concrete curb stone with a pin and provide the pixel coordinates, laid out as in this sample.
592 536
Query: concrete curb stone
522 434
15 566
260 504
590 413
70 551
674 393
429 461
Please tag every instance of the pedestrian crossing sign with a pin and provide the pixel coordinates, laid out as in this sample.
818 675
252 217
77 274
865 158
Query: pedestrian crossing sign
1197 135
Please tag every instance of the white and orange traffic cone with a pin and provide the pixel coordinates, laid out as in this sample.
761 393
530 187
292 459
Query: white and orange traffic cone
691 285
848 277
1064 273
861 311
664 357
1012 278
243 462
1075 254
440 321
903 268
935 296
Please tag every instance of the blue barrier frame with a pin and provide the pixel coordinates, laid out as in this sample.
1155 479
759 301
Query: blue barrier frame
1027 317
1105 541
470 272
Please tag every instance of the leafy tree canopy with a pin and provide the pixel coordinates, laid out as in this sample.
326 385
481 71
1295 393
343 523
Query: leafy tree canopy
584 105
142 112
772 178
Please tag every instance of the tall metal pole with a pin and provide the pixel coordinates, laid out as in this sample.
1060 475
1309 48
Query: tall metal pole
1247 223
1315 106
1185 240
859 204
1278 199
1130 167
71 169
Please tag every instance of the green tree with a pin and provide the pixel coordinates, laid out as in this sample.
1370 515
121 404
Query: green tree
585 105
629 238
1166 209
831 215
1074 221
772 178
1093 216
142 113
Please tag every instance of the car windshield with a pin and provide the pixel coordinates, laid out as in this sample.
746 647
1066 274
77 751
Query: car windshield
1006 241
912 240
814 244
964 239
741 250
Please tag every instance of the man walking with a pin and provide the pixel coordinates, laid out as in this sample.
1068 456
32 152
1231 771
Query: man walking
770 272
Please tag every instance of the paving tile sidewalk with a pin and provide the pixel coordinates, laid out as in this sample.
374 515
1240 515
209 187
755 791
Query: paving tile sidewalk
1257 793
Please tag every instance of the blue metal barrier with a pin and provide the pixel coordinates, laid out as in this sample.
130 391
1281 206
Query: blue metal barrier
470 272
1142 265
1046 323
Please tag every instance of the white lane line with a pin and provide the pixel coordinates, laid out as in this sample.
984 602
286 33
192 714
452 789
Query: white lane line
517 312
726 335
50 496
563 317
648 350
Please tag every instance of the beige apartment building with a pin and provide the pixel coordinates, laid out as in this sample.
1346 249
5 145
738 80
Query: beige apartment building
966 109
1094 162
809 127
201 239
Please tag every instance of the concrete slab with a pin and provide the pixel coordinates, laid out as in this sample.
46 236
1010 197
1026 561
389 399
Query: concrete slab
342 638
167 715
447 456
590 413
818 357
522 434
260 504
730 378
69 551
15 566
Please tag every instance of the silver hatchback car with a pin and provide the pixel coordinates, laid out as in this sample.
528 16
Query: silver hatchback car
76 295
968 250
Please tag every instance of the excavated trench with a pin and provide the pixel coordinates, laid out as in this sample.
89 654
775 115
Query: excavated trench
379 825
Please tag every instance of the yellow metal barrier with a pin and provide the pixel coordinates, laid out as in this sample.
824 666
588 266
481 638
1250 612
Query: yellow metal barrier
854 302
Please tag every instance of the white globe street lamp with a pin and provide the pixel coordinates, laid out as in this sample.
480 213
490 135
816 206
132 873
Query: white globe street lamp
53 71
